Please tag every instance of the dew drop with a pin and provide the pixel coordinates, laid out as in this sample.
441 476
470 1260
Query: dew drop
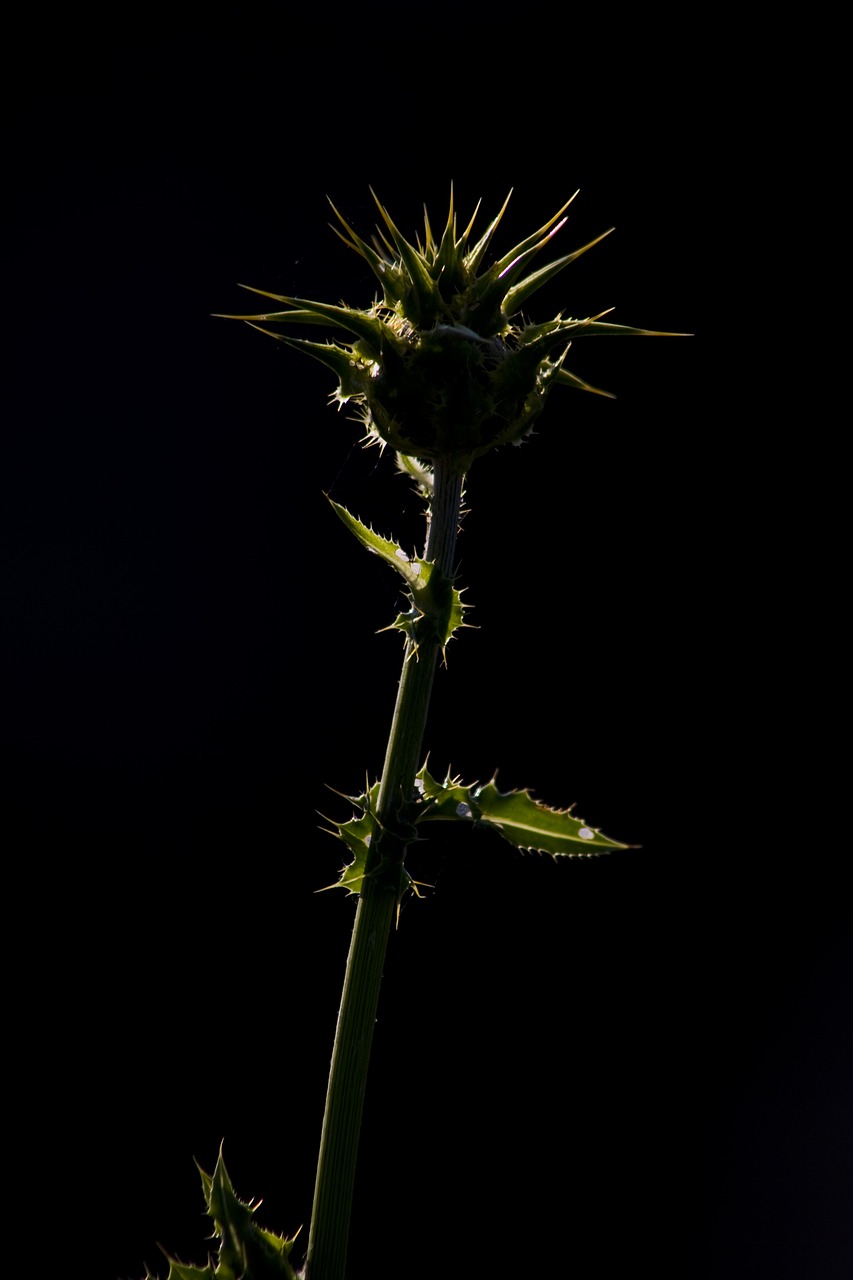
586 834
463 810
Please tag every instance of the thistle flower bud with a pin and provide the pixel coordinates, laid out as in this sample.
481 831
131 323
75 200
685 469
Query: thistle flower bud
445 366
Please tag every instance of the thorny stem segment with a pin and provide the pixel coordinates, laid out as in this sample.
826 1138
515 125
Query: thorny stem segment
333 1190
402 756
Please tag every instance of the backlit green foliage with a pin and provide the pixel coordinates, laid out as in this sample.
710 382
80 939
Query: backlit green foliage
246 1251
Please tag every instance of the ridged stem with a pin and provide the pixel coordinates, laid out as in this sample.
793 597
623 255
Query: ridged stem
377 905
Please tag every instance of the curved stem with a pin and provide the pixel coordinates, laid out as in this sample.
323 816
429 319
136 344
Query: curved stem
336 1166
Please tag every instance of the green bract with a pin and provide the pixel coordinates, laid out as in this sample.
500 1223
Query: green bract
445 365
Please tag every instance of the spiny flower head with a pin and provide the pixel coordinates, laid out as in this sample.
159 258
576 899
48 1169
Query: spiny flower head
444 365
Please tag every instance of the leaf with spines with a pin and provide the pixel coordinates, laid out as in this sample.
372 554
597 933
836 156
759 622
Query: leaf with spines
433 593
177 1271
522 821
357 835
246 1251
515 815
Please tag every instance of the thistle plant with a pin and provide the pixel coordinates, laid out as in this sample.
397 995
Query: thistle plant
442 367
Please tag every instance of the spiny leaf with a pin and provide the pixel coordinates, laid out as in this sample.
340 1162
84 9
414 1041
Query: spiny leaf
433 593
356 834
414 571
177 1271
246 1251
520 819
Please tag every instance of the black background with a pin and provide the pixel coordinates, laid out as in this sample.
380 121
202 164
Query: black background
583 1068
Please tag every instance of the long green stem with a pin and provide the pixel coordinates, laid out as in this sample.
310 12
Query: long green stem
333 1190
